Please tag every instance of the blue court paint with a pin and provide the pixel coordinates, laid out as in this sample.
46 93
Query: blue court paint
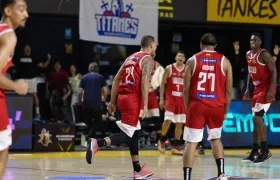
77 177
150 178
239 178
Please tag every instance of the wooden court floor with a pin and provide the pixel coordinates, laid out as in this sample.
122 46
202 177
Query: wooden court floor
116 165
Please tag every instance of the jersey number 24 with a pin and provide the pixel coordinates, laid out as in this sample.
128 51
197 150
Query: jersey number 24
205 77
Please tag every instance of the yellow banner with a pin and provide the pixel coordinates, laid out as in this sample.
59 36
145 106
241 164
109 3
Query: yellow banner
244 11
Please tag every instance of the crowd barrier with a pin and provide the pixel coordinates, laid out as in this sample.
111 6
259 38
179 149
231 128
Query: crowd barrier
237 128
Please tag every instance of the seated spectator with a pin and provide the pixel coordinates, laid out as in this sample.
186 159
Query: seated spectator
58 89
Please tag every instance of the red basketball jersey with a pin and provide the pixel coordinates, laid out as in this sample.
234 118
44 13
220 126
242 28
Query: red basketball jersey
208 79
175 81
261 76
4 28
131 74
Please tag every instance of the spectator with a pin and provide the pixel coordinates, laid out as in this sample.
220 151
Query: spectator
74 81
239 72
93 91
29 68
58 88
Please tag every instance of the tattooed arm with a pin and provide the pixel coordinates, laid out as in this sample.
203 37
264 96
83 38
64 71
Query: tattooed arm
187 81
147 67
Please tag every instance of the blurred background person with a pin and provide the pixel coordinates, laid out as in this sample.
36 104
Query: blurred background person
74 80
92 94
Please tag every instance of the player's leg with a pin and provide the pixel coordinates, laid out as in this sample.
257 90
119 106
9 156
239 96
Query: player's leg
200 147
3 161
179 120
5 142
168 119
193 134
259 111
255 149
139 171
214 121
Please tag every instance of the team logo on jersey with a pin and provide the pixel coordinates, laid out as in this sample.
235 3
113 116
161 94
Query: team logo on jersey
45 137
208 60
116 20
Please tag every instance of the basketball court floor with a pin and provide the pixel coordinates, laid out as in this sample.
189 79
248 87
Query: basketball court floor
116 165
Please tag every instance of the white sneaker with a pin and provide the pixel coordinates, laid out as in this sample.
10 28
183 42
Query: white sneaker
222 177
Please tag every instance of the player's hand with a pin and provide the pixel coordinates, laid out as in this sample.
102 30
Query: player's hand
144 112
269 95
246 95
161 104
21 87
111 107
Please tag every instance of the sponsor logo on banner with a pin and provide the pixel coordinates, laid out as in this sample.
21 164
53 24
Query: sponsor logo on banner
45 137
117 20
64 137
244 11
166 9
122 22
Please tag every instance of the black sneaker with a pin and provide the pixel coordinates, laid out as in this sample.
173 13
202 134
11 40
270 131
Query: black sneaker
252 156
200 150
262 157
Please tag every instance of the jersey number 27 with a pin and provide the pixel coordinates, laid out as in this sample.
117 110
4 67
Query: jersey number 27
204 78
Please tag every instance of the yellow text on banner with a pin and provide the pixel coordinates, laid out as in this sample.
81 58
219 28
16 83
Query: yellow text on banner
244 11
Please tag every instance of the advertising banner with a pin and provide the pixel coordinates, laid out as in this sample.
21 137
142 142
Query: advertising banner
244 11
118 21
20 117
54 137
175 10
239 126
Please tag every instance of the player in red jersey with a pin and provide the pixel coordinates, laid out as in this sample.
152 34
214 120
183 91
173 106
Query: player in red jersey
263 74
207 96
14 15
172 87
131 87
153 106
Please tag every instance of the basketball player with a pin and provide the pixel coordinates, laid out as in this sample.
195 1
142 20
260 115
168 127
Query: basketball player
153 106
130 86
172 86
14 15
207 96
263 74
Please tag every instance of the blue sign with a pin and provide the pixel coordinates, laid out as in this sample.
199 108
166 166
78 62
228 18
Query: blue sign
68 33
20 118
116 20
238 127
69 177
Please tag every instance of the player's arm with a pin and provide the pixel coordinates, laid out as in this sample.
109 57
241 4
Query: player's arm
147 67
249 79
165 75
104 89
187 81
229 79
268 59
115 83
7 45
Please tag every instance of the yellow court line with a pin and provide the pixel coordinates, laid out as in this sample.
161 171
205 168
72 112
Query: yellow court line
114 154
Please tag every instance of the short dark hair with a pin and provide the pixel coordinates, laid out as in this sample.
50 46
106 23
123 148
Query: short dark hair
147 40
208 39
93 67
5 3
257 34
180 52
